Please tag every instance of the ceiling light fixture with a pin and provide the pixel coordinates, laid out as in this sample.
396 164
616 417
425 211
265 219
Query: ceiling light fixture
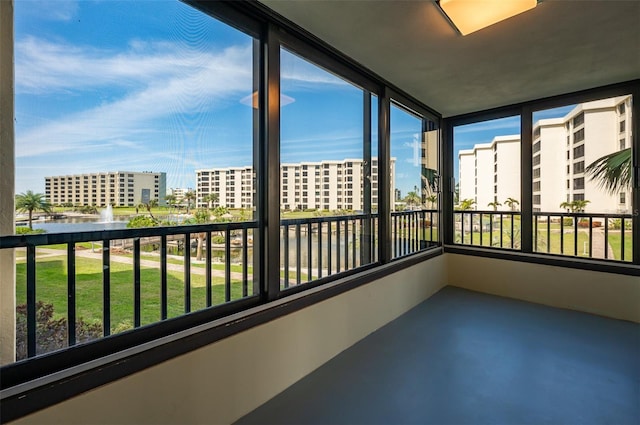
468 16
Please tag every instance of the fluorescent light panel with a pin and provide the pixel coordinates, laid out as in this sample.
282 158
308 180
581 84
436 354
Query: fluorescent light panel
471 15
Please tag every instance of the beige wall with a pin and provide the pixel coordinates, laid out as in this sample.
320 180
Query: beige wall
223 381
7 186
605 294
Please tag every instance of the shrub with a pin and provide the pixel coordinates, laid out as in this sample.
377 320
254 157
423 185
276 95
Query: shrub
51 334
141 221
24 230
567 221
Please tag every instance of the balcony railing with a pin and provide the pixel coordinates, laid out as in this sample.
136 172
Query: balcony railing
129 278
413 231
312 248
587 235
72 288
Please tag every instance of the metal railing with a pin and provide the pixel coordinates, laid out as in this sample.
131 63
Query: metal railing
152 260
587 235
97 283
312 248
413 231
498 229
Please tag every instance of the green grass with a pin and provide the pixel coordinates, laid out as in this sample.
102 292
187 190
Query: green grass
615 240
51 281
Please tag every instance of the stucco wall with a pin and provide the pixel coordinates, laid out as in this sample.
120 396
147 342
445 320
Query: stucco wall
605 294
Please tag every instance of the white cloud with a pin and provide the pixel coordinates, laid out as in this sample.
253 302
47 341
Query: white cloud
162 81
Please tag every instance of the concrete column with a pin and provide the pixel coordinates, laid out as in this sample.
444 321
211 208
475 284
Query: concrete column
7 186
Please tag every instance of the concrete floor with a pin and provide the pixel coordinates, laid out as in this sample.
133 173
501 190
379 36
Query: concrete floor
463 357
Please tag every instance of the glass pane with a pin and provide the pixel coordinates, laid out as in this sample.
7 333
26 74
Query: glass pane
324 209
581 180
130 115
487 192
414 173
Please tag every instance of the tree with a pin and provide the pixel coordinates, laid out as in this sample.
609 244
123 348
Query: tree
612 172
432 199
200 217
210 199
567 206
494 204
153 203
171 200
412 198
466 204
575 206
30 202
512 203
189 196
579 206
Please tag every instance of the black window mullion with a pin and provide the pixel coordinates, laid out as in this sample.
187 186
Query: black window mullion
384 180
526 180
271 201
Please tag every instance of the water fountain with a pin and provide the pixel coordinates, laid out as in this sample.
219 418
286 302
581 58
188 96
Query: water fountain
106 215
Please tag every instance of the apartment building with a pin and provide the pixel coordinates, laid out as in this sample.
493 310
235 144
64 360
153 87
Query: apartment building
233 185
490 172
562 149
324 185
117 188
180 192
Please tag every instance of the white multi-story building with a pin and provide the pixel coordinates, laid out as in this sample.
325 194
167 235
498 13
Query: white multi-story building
233 185
117 188
179 193
324 185
562 149
490 172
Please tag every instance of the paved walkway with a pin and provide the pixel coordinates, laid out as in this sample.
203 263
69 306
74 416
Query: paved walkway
598 246
87 253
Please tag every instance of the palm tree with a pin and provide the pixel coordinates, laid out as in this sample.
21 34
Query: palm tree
466 204
412 198
171 200
432 199
567 206
511 202
210 199
612 172
151 204
31 202
575 206
579 206
494 204
189 196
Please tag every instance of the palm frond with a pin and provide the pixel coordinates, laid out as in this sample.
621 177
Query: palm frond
612 172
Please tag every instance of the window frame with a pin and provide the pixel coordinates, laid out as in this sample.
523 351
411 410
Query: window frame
35 383
526 110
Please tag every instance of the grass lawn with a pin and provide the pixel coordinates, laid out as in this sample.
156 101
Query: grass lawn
51 275
615 240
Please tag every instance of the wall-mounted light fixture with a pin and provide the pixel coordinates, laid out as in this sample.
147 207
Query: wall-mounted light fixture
468 16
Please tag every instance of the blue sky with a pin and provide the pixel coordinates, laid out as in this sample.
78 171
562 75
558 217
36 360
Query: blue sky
158 86
466 136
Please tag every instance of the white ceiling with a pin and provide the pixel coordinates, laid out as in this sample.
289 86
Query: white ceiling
559 47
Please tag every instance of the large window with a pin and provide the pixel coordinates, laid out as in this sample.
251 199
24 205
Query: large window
487 182
131 115
576 187
584 217
329 174
160 188
414 181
